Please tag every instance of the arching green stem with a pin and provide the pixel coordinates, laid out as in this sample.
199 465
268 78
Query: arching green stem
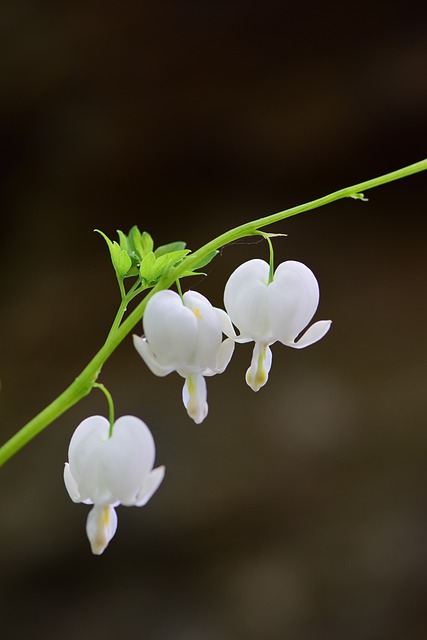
85 382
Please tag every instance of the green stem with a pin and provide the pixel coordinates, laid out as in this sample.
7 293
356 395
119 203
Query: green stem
271 270
110 402
250 228
84 383
178 288
126 299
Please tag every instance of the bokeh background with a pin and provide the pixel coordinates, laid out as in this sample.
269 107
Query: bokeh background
297 513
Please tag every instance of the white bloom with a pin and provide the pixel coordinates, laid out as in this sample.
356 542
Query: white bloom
107 471
266 312
185 335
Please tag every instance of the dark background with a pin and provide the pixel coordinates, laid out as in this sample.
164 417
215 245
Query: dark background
296 513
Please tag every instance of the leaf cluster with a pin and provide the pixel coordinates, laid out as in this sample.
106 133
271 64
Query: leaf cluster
134 256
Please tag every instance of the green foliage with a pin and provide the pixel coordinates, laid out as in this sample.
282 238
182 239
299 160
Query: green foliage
134 256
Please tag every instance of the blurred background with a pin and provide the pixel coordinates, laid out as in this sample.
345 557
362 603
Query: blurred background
299 512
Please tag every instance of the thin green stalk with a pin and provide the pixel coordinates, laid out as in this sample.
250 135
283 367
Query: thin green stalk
178 288
271 270
250 228
84 383
126 299
110 402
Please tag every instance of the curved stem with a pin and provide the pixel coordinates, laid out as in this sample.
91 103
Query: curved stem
110 402
250 228
84 383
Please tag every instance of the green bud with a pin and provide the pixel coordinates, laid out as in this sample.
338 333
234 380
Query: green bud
119 256
121 261
146 267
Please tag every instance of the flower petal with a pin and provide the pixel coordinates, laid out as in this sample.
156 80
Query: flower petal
84 459
257 374
223 357
150 486
245 299
225 323
101 525
144 350
194 396
170 329
312 335
208 333
127 458
293 299
71 484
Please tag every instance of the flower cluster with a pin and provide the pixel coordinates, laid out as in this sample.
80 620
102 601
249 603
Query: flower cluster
112 464
185 334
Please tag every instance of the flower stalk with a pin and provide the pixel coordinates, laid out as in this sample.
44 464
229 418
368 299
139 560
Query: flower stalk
121 326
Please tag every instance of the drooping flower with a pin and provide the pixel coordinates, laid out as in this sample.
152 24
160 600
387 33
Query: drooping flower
185 335
107 471
266 312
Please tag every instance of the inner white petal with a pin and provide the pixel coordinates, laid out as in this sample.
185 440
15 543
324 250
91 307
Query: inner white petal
194 394
101 525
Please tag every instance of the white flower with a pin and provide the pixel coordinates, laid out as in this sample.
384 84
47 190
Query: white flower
185 335
107 471
266 312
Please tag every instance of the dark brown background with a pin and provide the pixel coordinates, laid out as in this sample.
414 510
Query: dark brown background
296 513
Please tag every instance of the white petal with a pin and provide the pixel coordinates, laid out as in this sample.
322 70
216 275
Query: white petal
208 332
312 335
245 299
71 484
257 374
91 431
127 458
84 459
144 350
223 357
225 323
150 486
228 329
101 525
170 329
293 299
194 396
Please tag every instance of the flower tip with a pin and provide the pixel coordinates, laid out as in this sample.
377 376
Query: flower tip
257 381
101 526
197 413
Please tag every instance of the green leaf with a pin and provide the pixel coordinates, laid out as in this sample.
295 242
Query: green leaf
123 240
204 261
170 248
134 243
139 244
146 268
146 243
186 274
165 262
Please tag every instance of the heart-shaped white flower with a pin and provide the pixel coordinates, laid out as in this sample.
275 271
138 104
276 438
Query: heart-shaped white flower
106 470
266 312
185 335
